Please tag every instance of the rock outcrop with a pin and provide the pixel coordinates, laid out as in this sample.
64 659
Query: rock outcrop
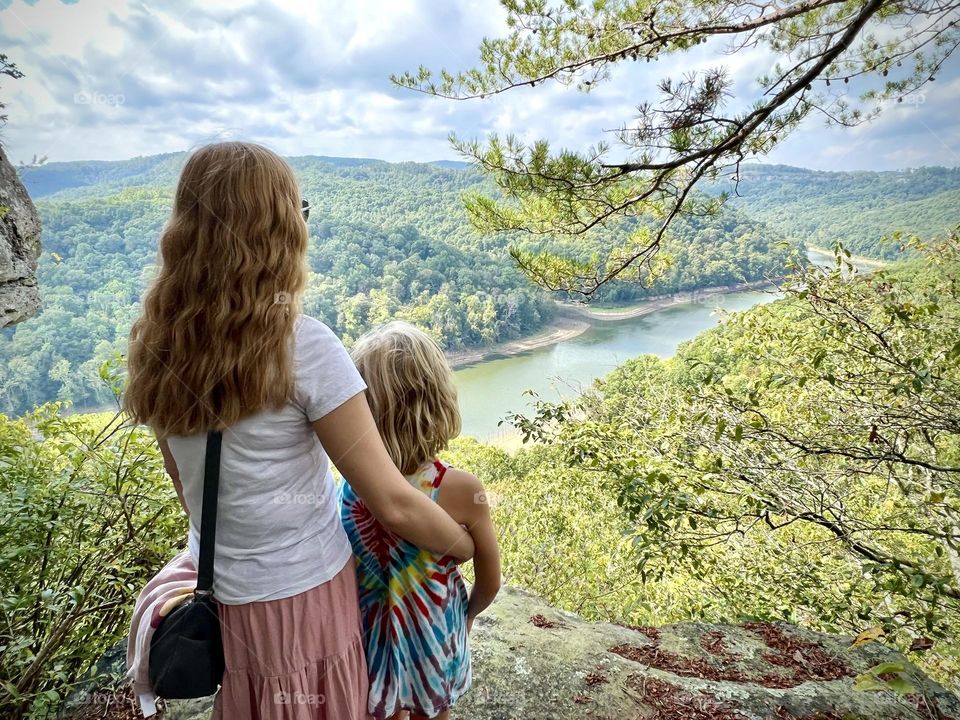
19 248
534 662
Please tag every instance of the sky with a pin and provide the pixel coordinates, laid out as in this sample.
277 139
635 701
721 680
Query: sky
109 80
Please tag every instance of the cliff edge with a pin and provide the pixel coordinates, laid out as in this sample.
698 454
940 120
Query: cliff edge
19 248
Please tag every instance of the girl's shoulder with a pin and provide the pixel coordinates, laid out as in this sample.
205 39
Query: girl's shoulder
459 492
308 331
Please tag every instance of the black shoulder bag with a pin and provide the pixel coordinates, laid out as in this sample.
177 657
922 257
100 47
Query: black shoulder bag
186 651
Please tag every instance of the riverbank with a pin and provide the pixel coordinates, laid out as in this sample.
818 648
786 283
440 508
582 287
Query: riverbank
574 319
657 302
561 329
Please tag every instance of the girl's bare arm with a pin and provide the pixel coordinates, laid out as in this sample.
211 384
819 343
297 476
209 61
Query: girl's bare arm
462 495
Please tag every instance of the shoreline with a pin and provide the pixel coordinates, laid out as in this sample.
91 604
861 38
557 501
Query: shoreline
559 329
572 320
656 303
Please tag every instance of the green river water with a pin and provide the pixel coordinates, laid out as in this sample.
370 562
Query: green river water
491 389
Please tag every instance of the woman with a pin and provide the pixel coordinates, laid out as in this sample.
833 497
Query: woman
221 344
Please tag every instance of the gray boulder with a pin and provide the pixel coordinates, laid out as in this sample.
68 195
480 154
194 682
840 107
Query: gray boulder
19 248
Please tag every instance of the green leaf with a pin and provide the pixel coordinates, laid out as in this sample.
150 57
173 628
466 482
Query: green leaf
721 426
871 680
954 352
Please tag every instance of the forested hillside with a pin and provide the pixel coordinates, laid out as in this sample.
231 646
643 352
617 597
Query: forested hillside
856 208
387 240
798 462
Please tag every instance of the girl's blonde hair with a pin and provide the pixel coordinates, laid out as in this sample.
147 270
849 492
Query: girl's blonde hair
212 343
411 392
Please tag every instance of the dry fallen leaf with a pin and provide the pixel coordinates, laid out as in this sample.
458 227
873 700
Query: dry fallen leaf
867 636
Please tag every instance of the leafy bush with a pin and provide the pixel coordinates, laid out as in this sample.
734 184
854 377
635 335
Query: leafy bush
88 518
799 462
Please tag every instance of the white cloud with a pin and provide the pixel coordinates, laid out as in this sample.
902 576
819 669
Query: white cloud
114 79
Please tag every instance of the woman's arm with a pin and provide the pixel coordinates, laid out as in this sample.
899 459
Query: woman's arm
464 498
350 437
171 466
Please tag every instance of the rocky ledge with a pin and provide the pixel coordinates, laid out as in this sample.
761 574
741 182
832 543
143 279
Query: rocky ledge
19 248
534 662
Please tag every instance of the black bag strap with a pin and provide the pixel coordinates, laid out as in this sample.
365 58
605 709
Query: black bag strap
208 513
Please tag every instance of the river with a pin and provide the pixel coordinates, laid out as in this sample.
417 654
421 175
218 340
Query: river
491 389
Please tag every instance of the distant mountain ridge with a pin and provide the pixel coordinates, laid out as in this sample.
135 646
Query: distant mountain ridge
56 177
814 207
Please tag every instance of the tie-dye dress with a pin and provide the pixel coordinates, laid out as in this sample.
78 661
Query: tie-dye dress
413 606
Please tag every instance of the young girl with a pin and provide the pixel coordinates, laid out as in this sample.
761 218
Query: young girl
413 603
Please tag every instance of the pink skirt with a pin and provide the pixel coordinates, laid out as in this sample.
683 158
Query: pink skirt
298 658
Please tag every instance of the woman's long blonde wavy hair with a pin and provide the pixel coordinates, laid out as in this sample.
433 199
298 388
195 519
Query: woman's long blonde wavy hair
212 344
411 392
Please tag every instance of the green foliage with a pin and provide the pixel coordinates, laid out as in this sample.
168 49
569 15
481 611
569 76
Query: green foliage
858 209
885 677
700 252
800 462
561 533
363 277
88 518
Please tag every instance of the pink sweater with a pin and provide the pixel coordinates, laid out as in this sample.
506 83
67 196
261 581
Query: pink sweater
176 579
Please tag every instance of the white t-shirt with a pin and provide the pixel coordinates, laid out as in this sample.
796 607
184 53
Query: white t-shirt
278 524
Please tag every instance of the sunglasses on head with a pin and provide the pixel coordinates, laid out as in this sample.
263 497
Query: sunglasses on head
305 208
